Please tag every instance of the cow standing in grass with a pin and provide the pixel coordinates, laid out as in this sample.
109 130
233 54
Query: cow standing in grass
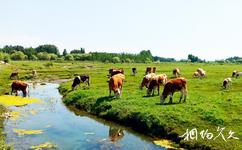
14 75
154 70
134 71
236 74
80 79
201 72
34 73
19 86
146 80
154 82
172 86
116 84
176 72
227 83
115 71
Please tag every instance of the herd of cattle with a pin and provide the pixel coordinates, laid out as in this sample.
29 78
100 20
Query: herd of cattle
150 80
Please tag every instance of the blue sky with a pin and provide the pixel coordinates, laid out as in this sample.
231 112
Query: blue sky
210 29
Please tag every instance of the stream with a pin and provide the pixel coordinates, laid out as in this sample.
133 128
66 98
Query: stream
68 129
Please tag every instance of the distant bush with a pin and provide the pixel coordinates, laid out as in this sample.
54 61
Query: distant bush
18 55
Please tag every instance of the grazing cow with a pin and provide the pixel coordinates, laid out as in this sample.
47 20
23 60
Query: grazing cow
115 134
34 73
236 74
196 74
14 75
116 84
227 83
134 71
19 86
146 80
80 79
176 72
154 69
115 71
156 82
172 86
201 73
148 70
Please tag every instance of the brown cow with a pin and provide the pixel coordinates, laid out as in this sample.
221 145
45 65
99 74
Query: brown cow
176 72
156 82
172 86
14 75
19 86
148 70
115 71
116 84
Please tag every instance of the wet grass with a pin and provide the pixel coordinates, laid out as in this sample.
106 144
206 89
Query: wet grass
207 106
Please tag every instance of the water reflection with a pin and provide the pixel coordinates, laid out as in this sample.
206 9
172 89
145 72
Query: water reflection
115 134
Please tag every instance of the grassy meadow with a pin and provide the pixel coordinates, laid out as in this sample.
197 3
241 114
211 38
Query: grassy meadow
208 106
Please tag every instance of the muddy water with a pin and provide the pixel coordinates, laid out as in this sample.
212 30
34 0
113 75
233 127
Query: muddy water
66 129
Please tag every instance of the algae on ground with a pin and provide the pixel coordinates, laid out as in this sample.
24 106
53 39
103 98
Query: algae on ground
7 100
165 143
46 145
27 132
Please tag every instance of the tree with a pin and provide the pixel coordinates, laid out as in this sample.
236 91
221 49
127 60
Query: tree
18 55
53 56
69 57
194 58
76 51
47 48
64 52
43 56
115 59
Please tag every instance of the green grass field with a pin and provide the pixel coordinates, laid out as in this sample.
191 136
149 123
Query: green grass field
207 105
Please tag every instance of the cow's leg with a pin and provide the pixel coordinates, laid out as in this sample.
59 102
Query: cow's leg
158 89
171 95
185 95
182 93
24 93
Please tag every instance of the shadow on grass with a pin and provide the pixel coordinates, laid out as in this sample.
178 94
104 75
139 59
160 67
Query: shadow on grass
165 104
105 99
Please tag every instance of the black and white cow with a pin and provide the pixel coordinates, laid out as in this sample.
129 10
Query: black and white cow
80 79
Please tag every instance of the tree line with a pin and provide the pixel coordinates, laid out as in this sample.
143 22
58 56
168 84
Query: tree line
51 52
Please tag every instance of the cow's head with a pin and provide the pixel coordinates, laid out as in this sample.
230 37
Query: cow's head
117 92
234 73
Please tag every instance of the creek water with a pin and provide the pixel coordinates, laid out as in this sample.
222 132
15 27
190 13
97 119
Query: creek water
68 129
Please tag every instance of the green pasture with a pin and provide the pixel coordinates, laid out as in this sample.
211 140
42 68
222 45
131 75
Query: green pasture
208 106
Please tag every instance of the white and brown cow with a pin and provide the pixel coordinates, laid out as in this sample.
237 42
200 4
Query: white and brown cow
227 83
148 70
236 74
154 82
80 79
172 86
176 72
146 80
201 72
19 86
116 84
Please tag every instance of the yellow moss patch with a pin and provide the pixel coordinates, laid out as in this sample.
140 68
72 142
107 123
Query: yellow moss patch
8 100
27 132
14 115
46 145
164 143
